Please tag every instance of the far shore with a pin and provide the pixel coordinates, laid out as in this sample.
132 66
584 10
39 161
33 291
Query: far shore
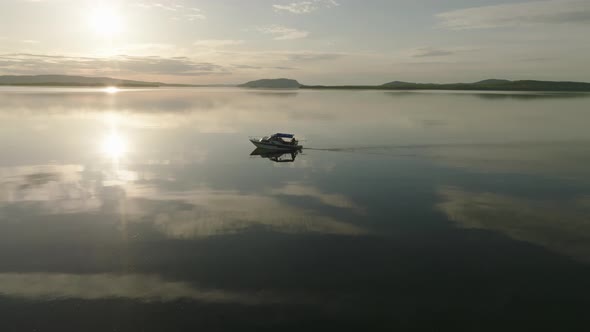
303 87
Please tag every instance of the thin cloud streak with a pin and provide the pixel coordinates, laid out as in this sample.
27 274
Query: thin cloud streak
430 52
280 32
313 56
22 63
243 66
519 14
179 11
217 43
305 7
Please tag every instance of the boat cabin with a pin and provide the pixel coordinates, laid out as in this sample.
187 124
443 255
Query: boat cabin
281 138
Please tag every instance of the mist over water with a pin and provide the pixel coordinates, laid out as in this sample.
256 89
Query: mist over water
143 209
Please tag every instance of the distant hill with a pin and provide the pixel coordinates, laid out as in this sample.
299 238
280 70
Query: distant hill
488 84
285 83
493 81
495 84
67 80
276 83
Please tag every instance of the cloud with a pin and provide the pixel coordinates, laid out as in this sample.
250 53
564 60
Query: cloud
519 14
170 66
246 66
430 52
139 287
217 43
283 33
22 63
146 48
195 14
313 56
537 59
164 7
304 7
179 11
242 66
30 41
159 5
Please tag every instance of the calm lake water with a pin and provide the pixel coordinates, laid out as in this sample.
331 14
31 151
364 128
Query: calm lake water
143 210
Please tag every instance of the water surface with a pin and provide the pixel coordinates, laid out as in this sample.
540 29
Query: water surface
144 210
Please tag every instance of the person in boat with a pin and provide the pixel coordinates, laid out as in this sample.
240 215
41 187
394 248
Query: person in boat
280 138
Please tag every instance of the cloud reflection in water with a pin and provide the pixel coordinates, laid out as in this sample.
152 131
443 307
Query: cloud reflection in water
146 288
559 225
205 211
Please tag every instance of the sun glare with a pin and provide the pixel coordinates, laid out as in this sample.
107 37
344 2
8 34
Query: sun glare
106 22
111 89
114 146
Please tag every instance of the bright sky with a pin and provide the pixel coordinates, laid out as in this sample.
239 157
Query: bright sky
313 41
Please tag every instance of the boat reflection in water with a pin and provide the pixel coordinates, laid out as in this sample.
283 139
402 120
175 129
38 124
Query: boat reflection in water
276 155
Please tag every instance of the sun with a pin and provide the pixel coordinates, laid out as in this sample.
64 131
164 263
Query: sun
106 21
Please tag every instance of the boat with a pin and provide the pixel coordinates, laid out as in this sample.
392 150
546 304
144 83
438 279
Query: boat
278 141
278 156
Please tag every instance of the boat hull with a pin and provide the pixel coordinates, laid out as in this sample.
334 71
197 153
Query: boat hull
275 146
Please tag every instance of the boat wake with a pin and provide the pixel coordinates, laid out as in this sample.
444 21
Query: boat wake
417 148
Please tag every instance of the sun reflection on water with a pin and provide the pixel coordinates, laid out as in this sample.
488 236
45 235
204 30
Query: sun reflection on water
114 145
111 89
